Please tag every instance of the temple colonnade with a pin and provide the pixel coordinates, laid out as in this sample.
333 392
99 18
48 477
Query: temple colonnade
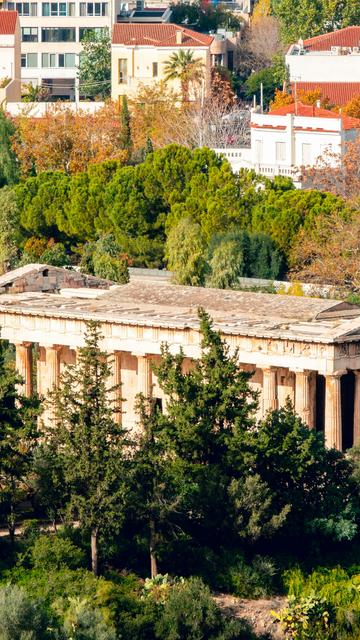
316 396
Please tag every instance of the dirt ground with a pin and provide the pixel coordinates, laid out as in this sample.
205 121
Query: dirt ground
256 612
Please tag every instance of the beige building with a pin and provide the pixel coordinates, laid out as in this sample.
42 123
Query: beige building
139 53
10 43
305 349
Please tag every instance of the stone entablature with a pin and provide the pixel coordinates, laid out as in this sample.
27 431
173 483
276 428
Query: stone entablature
304 349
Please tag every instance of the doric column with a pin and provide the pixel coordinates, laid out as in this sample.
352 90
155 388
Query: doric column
304 396
144 375
333 423
357 408
23 361
115 381
269 389
52 367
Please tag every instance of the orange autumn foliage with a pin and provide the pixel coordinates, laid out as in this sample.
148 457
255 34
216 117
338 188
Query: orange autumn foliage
352 108
66 141
281 99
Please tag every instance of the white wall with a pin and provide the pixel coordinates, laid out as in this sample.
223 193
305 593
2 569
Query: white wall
324 67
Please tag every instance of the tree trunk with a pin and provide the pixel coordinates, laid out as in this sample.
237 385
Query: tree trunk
11 522
94 552
153 559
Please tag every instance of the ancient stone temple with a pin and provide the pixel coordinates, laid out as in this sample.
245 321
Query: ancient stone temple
306 349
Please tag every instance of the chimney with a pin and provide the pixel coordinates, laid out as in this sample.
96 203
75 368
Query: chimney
318 104
179 36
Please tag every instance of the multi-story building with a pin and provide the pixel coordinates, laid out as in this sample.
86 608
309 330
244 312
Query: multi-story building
51 36
9 56
292 137
139 54
330 62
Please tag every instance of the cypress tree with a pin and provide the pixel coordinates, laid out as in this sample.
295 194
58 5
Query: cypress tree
125 118
90 442
9 171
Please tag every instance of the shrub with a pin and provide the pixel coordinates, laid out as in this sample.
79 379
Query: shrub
54 552
115 269
308 618
83 622
255 580
190 613
21 618
56 255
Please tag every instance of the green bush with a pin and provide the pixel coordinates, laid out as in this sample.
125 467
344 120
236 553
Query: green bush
110 268
50 552
254 580
190 613
21 618
308 618
84 622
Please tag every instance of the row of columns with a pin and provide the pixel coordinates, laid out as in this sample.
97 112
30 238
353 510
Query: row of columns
304 396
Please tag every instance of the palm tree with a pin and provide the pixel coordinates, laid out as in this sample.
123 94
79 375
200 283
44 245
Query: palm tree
184 67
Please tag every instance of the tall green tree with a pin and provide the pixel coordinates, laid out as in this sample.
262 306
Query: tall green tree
125 135
186 253
158 487
90 442
94 71
9 169
18 440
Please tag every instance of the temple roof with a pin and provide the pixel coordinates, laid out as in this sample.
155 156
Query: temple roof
147 302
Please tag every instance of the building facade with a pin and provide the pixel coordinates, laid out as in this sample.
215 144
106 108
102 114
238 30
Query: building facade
291 137
304 349
139 53
10 55
51 37
330 62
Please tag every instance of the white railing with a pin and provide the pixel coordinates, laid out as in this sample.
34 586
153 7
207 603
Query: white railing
39 109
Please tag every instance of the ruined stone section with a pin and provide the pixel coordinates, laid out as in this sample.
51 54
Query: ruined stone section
303 349
48 279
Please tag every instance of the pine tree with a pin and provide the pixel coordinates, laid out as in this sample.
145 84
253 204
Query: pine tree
90 442
18 440
9 172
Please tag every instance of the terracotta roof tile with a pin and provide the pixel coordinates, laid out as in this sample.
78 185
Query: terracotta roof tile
310 111
158 35
8 22
348 37
339 93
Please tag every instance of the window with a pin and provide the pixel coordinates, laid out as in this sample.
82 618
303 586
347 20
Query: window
155 69
55 60
29 34
280 149
230 60
54 34
85 32
306 154
29 60
61 9
23 8
122 67
93 9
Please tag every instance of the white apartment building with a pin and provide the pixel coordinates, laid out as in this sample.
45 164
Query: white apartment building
292 137
9 56
51 35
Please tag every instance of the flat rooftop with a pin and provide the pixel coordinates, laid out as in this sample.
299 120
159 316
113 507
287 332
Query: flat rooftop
146 302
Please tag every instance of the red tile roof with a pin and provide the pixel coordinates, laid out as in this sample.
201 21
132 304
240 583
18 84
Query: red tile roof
348 37
339 93
158 35
310 111
8 22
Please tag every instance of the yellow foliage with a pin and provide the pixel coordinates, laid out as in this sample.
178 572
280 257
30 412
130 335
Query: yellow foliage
295 289
281 99
262 8
352 108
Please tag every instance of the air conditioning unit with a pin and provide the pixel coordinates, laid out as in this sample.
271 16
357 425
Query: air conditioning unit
335 50
356 50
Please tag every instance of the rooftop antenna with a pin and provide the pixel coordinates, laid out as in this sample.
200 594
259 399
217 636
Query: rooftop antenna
261 97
